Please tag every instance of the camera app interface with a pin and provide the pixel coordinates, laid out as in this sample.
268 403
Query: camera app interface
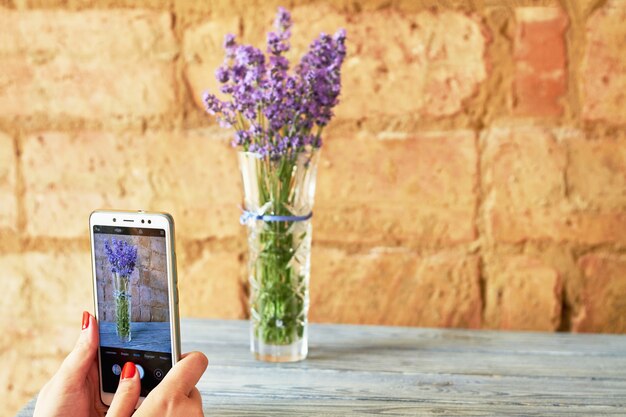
133 305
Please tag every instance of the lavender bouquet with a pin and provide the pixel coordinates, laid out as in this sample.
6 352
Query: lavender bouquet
278 115
122 258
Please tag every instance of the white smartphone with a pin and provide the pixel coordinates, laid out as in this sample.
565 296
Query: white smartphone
135 296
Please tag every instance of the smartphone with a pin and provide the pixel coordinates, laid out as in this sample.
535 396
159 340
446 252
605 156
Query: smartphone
135 296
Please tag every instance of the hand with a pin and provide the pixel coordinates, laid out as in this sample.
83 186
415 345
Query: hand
75 390
176 395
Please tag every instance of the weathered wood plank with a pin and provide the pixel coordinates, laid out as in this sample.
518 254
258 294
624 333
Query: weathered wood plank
383 349
255 406
438 339
320 385
340 407
369 370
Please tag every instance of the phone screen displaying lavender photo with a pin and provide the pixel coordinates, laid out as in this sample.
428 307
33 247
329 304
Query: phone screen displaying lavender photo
133 303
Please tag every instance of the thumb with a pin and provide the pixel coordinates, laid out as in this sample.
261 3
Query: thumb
127 393
77 364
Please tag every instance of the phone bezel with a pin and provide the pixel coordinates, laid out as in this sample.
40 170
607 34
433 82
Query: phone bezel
157 221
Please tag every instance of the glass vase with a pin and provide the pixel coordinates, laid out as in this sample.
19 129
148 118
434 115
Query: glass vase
123 298
278 201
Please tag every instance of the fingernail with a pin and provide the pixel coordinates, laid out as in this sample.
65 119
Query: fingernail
85 320
128 371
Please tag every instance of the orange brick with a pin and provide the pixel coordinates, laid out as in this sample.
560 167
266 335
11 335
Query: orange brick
60 284
522 293
196 178
193 175
604 293
211 286
16 297
8 199
92 65
596 173
524 171
419 190
67 176
540 61
604 64
423 64
44 295
203 53
559 224
524 167
395 287
25 370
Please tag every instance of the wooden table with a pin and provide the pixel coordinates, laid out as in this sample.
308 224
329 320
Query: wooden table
395 371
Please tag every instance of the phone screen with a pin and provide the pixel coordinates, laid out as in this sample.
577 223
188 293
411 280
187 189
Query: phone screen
133 304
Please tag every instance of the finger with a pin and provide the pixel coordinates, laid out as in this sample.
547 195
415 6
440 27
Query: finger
93 378
186 373
195 396
127 393
77 364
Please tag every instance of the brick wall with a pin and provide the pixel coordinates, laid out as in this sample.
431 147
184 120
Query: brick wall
148 282
475 174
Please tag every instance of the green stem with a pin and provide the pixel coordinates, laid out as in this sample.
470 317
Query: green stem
122 307
278 302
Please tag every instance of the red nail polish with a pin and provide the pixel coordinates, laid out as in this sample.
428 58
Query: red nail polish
85 320
128 371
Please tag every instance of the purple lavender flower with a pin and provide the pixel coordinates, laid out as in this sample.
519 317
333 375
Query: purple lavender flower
283 20
272 110
229 41
320 71
122 256
275 44
222 111
221 74
278 42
